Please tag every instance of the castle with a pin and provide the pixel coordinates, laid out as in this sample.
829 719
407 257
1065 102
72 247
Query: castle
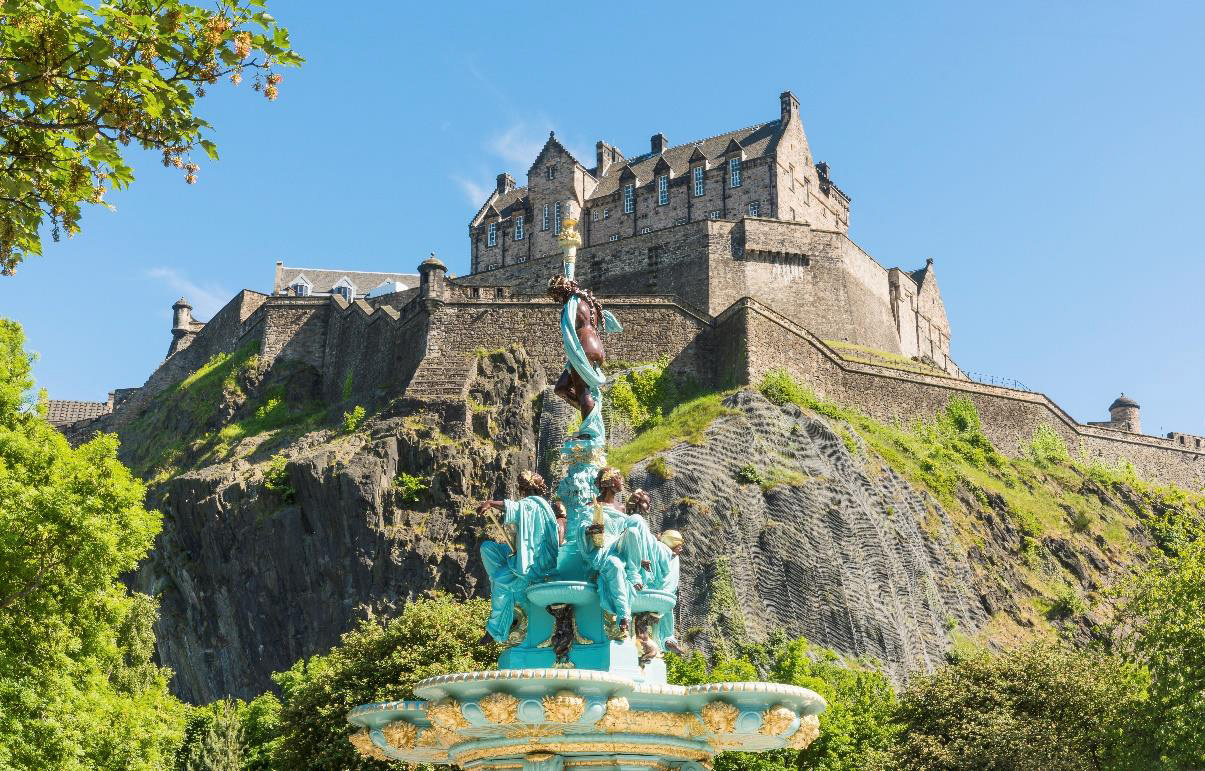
734 248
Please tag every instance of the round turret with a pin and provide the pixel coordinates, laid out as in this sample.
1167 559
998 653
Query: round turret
181 317
431 272
1125 413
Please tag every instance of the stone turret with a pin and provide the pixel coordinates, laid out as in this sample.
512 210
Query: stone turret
1124 414
431 278
182 327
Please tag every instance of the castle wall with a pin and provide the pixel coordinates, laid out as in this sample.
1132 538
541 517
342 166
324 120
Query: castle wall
371 355
1009 417
295 328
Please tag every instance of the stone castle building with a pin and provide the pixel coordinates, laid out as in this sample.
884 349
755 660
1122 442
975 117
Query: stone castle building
734 249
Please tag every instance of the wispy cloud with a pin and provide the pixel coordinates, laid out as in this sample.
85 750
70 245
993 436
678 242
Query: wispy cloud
207 298
473 191
520 143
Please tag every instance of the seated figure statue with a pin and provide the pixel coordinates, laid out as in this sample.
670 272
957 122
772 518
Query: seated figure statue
522 554
602 545
657 561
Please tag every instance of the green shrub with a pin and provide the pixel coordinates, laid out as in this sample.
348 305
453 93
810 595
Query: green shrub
410 488
749 475
779 387
1047 448
1066 602
353 420
660 468
347 384
1080 521
276 479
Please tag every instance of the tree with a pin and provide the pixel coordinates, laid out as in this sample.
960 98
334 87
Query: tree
374 662
1043 707
77 684
213 740
80 80
1163 628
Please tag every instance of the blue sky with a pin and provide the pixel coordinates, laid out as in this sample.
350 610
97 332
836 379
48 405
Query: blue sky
1048 156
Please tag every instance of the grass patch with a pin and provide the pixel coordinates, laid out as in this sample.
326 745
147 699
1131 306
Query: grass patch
685 423
749 475
660 468
867 355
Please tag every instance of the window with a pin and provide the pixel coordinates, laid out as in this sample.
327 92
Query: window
594 215
698 176
344 291
551 171
491 267
629 198
522 258
519 227
645 230
491 237
544 226
734 171
792 167
754 208
606 213
300 289
714 214
556 218
613 237
663 190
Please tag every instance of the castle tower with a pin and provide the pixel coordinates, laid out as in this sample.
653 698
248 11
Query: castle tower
182 332
1124 414
431 278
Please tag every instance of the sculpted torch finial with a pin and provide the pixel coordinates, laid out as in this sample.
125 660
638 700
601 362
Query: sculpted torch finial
569 238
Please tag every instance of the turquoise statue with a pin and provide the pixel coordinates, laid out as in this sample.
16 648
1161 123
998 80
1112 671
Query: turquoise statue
524 552
582 597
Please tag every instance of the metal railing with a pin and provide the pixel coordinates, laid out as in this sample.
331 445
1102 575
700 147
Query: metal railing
1003 382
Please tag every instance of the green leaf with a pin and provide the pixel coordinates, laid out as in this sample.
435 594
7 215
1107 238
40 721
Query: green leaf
210 149
111 63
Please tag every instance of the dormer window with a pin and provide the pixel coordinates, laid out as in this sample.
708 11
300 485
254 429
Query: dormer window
734 172
491 234
551 171
629 198
663 190
299 289
344 290
519 227
556 220
697 173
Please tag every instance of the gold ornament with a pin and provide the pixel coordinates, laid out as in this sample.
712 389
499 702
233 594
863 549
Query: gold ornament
620 718
776 720
809 729
400 735
500 708
565 707
577 748
363 743
721 717
446 715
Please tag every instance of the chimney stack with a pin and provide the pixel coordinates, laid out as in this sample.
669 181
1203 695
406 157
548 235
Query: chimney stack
660 143
506 183
789 106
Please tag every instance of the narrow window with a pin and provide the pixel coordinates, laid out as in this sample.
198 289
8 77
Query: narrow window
556 219
792 167
698 174
552 171
734 171
519 227
606 213
645 230
629 199
613 237
544 226
663 190
491 237
754 208
714 214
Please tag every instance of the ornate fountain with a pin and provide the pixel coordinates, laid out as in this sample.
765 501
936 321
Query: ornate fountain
582 596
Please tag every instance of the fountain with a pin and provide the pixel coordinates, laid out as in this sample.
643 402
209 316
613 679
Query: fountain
582 596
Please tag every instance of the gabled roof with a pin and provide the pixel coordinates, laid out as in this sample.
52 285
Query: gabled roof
755 141
551 143
324 281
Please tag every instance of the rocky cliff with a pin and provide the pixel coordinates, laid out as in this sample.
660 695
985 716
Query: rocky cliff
286 523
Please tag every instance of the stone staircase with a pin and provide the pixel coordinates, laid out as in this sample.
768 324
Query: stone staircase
443 378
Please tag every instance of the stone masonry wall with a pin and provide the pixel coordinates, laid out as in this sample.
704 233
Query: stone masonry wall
1009 417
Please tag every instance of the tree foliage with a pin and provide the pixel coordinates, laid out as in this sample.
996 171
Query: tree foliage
78 688
80 80
1044 707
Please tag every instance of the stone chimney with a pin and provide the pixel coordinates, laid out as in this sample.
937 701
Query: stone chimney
506 183
1125 414
788 107
431 278
606 156
659 143
182 333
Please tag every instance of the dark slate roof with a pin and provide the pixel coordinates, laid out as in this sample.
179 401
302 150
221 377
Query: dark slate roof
323 280
60 412
756 141
1123 401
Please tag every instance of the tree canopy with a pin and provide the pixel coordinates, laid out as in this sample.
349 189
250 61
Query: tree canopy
80 80
78 688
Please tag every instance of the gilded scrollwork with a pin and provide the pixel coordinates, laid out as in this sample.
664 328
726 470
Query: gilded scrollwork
401 735
776 720
446 715
720 717
500 708
564 707
620 718
583 748
809 729
363 743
